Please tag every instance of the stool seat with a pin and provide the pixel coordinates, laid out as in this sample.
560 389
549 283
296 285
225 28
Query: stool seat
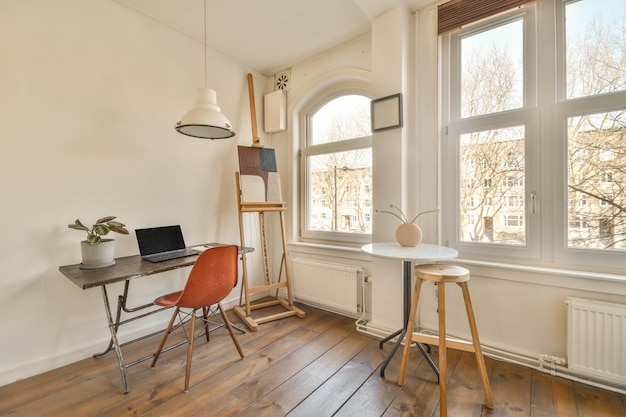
444 274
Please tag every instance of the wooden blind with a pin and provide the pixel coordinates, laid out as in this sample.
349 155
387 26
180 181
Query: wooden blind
458 13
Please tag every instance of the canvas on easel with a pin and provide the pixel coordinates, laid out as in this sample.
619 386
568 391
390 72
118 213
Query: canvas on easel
258 191
259 175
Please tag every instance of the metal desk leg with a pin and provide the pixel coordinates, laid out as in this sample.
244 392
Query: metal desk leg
116 344
115 325
121 305
406 304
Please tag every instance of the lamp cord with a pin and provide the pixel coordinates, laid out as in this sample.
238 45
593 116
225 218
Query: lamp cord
206 74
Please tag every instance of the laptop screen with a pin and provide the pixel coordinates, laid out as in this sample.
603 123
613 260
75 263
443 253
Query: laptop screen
159 239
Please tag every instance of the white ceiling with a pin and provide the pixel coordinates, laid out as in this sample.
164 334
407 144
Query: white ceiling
270 35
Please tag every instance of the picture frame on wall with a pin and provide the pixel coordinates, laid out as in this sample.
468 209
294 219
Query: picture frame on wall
386 113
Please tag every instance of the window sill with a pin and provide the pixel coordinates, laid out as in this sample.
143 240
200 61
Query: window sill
576 280
546 276
348 251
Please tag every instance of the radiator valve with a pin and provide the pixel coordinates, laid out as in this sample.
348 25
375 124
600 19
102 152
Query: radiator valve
552 360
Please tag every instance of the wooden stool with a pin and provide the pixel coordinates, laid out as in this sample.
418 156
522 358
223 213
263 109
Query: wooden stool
443 274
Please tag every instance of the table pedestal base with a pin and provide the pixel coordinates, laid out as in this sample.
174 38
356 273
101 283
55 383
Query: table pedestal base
406 295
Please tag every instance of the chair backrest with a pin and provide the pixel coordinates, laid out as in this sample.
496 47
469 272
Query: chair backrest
212 277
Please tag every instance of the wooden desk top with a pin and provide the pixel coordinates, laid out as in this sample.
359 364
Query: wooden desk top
127 267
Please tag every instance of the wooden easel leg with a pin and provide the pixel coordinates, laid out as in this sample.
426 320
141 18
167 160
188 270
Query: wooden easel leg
244 315
288 304
264 252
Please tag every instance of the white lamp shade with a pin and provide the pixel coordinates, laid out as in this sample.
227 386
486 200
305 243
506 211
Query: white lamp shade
205 119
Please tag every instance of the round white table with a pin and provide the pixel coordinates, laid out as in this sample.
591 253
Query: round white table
422 253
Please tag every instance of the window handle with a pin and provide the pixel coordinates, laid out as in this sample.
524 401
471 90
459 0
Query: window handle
533 202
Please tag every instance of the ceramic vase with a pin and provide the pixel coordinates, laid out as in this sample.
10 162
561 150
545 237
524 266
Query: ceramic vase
97 256
409 234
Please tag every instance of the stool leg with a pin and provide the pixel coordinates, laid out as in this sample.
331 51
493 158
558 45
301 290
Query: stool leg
443 362
477 349
409 332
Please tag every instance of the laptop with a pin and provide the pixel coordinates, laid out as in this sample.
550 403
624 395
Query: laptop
157 244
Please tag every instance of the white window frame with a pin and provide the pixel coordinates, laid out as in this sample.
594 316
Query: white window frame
306 150
544 115
456 126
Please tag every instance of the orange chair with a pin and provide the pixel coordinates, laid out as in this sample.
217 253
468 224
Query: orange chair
211 279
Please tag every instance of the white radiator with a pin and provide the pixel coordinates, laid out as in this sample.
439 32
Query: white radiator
597 339
331 286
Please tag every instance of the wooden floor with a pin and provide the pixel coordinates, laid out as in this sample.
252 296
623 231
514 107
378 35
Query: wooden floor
312 367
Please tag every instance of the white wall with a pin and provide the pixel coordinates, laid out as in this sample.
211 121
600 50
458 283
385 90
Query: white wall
89 95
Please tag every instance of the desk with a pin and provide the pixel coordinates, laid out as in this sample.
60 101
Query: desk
423 253
126 269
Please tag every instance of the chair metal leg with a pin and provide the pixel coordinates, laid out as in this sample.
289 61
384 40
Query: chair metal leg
205 315
190 349
164 339
230 330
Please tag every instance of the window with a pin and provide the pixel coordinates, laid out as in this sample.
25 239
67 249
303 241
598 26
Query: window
514 201
336 159
543 134
607 155
513 220
606 176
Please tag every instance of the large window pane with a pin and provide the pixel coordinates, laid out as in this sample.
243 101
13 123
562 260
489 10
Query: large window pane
343 118
565 95
492 77
337 170
492 186
597 181
340 194
596 47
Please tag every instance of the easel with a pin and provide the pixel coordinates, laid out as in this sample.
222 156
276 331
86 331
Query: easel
261 206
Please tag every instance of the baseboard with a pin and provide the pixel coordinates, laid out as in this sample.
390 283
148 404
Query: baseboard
57 360
517 358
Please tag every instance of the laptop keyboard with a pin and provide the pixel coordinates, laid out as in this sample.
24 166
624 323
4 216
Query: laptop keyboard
167 256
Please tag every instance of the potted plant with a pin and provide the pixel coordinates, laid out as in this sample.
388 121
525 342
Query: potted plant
408 233
96 251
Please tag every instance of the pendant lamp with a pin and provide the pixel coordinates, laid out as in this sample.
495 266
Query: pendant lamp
205 120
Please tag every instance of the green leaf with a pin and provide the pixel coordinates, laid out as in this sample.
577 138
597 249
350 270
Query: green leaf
101 229
118 229
93 239
78 227
105 219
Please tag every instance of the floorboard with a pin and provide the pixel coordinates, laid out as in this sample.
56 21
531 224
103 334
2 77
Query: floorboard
317 366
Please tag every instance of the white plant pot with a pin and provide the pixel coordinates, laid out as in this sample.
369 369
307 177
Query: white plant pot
97 256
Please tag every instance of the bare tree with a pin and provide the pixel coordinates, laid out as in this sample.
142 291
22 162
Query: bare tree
492 162
596 64
341 181
489 82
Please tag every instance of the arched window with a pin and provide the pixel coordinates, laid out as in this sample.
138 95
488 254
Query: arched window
336 171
